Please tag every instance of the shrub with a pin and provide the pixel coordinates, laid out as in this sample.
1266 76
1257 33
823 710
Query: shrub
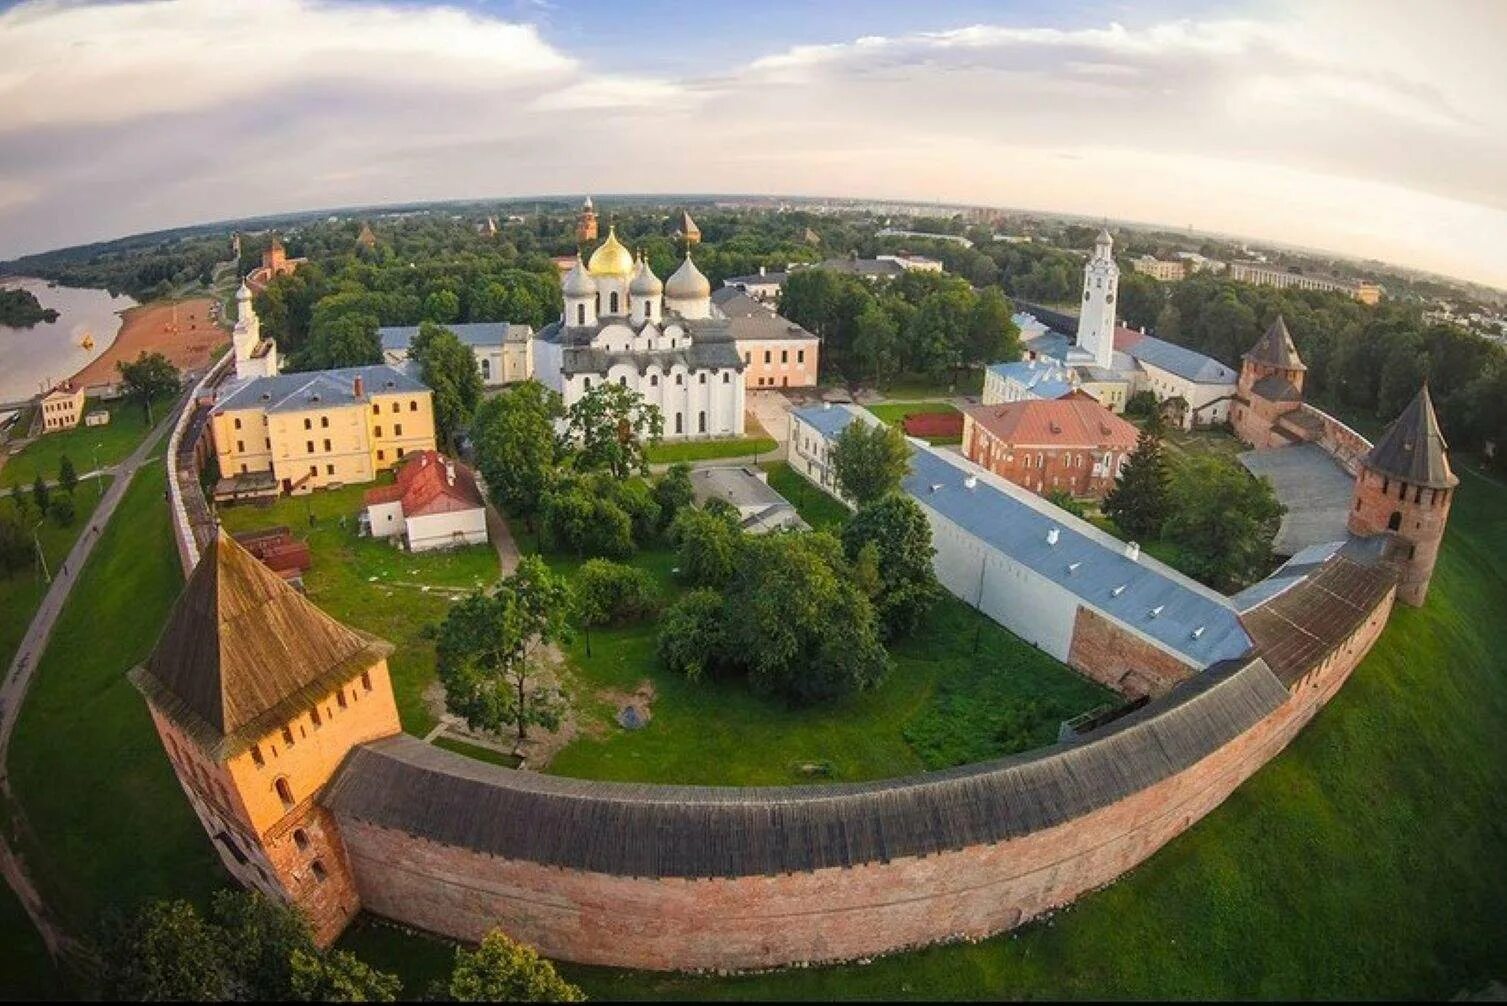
692 635
609 593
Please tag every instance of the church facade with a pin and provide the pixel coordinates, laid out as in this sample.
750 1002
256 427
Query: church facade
663 339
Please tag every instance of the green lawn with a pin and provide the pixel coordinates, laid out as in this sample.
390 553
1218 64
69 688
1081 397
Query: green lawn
107 822
24 962
372 585
22 591
815 506
1364 862
128 424
920 386
708 450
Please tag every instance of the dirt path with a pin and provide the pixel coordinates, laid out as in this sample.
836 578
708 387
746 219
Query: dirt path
180 330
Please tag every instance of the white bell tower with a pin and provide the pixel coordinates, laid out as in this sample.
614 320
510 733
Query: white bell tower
1101 282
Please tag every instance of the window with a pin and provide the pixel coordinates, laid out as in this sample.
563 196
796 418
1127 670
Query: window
244 469
377 430
653 380
327 444
317 868
784 356
256 755
800 356
679 425
284 792
679 379
394 406
288 736
701 377
301 839
314 715
237 424
381 455
400 453
313 469
324 422
747 359
726 377
588 383
701 422
613 301
366 680
329 469
308 424
767 356
623 380
310 445
240 445
340 698
413 405
397 429
376 409
580 314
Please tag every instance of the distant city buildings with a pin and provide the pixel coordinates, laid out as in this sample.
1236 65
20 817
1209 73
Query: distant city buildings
890 232
762 285
1160 269
1268 275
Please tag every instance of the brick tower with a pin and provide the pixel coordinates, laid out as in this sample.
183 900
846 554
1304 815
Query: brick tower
1405 487
258 696
1271 384
586 223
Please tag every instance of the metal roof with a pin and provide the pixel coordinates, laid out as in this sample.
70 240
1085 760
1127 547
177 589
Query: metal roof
397 338
1180 360
1413 448
1181 614
828 420
318 388
1041 378
1275 348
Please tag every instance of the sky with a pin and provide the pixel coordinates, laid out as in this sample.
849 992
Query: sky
1363 126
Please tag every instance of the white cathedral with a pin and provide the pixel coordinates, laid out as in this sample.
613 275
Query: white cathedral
664 340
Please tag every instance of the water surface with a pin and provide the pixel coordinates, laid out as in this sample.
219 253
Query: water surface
36 357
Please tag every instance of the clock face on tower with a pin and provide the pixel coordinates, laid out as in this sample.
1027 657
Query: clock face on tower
1085 295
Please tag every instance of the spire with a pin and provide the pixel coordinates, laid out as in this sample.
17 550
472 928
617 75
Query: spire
1276 349
243 651
1413 448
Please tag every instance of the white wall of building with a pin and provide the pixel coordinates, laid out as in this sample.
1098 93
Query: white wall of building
447 530
386 519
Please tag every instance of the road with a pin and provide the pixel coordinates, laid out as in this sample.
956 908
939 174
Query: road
19 676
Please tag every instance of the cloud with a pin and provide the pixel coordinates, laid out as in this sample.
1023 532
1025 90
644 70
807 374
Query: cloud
1322 125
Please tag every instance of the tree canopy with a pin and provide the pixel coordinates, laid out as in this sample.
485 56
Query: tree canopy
516 446
449 367
898 532
502 970
149 377
610 427
1224 520
1139 501
869 462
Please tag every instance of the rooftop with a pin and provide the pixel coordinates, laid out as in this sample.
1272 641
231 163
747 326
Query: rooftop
317 388
1078 421
1275 348
397 338
1180 360
760 505
429 483
1043 378
1184 616
1413 448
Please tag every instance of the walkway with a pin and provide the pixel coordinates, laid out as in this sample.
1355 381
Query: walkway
23 667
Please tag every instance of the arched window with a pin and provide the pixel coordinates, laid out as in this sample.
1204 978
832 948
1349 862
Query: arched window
317 868
284 792
1395 522
301 839
613 301
580 314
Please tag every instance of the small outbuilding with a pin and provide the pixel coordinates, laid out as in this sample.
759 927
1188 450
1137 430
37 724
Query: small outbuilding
435 503
760 507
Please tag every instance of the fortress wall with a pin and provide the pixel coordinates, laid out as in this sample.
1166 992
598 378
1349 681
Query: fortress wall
1341 442
1104 650
829 914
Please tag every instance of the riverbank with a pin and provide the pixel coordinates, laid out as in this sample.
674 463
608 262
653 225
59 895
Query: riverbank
183 331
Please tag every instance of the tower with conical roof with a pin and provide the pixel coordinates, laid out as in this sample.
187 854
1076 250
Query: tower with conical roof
1270 385
258 696
1405 487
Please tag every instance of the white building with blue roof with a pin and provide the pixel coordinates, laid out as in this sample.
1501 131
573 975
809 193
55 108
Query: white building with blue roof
504 351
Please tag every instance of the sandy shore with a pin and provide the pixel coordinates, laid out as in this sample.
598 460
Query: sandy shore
180 330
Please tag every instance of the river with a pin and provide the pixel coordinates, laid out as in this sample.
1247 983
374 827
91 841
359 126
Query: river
32 358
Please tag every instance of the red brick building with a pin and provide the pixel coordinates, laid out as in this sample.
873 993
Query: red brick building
1073 444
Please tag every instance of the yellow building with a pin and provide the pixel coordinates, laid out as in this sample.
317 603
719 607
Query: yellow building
295 433
62 408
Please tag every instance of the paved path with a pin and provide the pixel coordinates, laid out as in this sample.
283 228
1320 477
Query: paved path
23 667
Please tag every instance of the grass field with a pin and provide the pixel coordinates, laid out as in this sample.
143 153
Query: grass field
22 591
921 386
128 424
708 450
1366 861
372 585
816 507
107 822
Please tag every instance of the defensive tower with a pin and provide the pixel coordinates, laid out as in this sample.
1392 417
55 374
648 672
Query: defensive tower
1405 487
258 697
1270 385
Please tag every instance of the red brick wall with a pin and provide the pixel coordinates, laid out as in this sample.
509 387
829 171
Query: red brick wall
1112 656
1421 526
830 914
1069 470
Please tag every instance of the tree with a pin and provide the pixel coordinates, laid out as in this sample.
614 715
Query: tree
62 510
67 476
1224 521
610 593
1141 299
692 636
516 446
869 462
149 378
502 970
992 334
1138 503
938 331
674 493
611 425
876 343
449 367
582 514
897 530
15 542
339 976
708 545
488 645
260 936
346 340
40 494
797 621
1063 500
165 952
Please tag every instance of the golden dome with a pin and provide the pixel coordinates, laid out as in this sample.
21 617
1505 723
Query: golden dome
611 258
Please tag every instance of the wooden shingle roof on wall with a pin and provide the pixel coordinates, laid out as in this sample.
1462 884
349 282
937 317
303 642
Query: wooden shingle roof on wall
645 830
243 652
1298 628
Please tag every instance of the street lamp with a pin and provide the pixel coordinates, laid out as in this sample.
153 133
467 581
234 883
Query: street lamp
98 492
41 556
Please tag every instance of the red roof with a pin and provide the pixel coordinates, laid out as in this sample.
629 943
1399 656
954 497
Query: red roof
1061 422
430 483
1126 338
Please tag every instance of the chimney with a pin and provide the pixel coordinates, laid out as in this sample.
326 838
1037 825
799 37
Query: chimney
1052 536
971 482
358 387
826 406
449 472
1133 551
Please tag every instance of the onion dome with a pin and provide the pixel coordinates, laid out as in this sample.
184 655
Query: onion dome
688 283
578 282
611 258
645 283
